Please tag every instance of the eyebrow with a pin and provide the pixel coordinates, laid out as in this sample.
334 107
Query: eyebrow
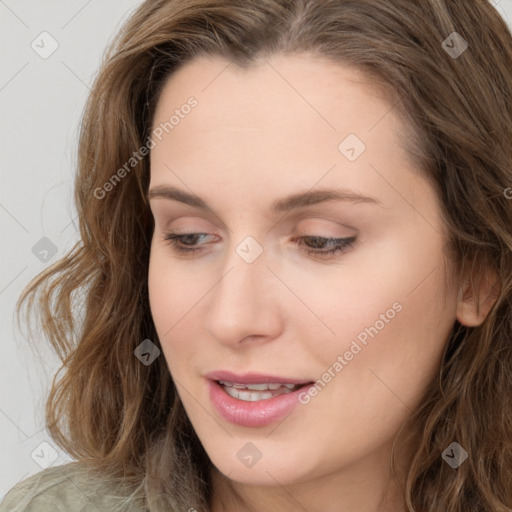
292 202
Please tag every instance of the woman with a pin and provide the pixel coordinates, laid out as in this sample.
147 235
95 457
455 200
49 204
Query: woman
295 256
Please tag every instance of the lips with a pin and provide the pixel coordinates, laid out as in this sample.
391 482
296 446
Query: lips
254 400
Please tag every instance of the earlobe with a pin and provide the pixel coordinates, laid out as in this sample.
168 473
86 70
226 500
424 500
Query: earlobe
476 299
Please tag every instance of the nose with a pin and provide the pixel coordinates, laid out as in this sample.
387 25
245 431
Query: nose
246 303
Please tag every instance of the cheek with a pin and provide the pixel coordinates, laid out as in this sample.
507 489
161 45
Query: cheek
170 291
173 296
389 360
390 321
165 295
160 298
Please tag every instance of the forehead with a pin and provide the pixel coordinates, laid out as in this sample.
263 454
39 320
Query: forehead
310 96
286 119
302 83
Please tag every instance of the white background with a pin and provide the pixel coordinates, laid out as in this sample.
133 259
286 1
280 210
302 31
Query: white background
41 101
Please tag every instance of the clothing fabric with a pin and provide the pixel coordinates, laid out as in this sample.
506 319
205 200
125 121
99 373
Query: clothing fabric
68 488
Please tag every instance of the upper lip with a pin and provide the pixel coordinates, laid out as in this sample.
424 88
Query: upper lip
253 378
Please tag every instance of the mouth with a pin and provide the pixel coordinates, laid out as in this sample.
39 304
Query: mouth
257 392
254 400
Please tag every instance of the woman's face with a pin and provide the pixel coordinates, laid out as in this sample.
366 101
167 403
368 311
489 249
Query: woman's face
273 157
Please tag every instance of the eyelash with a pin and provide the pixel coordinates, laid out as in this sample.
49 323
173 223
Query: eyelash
342 244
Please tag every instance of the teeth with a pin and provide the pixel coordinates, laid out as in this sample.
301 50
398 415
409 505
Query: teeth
254 396
256 392
254 387
257 387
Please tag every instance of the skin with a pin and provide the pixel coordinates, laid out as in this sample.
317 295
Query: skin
258 135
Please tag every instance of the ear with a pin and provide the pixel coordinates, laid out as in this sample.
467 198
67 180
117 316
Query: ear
476 298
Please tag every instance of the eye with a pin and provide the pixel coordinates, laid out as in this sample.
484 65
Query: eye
187 239
314 245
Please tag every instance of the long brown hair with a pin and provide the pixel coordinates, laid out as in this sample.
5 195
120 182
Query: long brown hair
124 418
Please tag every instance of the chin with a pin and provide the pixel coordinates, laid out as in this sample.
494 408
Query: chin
270 471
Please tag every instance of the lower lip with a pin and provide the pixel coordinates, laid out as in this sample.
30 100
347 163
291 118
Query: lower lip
253 414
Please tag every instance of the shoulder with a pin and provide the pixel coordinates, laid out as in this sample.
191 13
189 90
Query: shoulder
68 488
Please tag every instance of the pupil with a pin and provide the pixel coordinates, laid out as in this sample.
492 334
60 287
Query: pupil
317 242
